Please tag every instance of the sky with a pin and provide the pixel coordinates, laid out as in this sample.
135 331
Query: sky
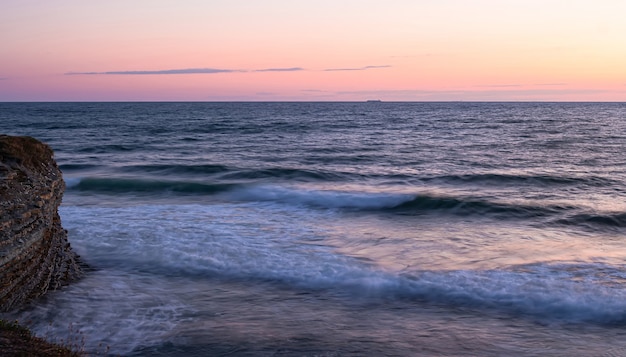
321 50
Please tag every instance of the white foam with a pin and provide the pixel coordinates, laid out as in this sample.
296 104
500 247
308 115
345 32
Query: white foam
234 240
550 291
108 311
320 198
143 252
248 241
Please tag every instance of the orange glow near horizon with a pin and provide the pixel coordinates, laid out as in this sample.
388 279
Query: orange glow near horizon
278 50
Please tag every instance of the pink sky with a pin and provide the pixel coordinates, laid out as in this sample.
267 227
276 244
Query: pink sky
273 50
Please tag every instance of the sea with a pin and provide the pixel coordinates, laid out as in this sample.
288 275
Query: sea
337 229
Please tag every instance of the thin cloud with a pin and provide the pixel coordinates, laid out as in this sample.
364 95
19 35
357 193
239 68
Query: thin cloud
163 71
213 71
3 78
290 69
355 68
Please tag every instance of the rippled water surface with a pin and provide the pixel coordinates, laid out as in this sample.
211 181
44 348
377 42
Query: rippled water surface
338 229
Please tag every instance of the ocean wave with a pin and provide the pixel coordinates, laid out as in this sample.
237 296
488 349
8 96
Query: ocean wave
131 185
252 248
406 204
591 292
424 203
390 202
550 292
541 180
320 198
284 173
593 220
176 169
470 206
222 172
545 292
241 192
316 175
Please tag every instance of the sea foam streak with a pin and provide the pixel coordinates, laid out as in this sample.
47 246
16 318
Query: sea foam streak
320 198
177 241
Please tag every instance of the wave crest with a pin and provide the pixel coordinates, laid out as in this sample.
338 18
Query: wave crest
123 185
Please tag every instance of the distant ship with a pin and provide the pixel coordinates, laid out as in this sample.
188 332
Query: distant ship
374 100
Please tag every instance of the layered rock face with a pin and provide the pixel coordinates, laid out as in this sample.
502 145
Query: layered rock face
35 255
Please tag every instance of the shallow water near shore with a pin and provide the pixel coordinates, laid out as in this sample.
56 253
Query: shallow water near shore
338 229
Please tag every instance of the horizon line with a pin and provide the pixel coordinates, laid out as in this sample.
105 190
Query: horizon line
369 101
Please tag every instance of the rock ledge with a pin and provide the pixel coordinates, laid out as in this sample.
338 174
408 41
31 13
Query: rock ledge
35 255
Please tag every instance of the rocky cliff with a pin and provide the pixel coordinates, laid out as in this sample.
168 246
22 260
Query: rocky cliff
35 255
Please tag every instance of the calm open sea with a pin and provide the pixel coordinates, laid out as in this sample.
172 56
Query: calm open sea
339 229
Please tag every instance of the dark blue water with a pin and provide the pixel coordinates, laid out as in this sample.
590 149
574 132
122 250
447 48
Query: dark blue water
339 229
